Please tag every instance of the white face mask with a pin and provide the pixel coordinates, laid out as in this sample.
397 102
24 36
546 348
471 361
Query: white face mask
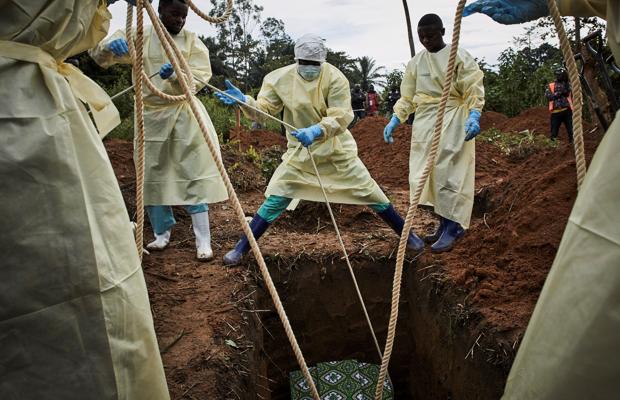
309 72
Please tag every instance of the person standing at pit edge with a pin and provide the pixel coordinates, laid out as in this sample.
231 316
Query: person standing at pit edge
560 104
571 345
450 187
179 169
314 95
75 319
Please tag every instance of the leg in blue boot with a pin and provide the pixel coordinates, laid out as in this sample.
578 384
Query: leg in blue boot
435 236
258 226
452 232
395 221
267 213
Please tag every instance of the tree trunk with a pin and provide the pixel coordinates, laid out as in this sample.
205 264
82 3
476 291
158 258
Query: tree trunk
409 31
577 35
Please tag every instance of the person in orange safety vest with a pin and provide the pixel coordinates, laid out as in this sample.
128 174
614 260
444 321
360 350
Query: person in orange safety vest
560 104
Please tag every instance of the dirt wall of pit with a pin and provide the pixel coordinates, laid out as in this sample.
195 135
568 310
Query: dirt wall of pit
430 359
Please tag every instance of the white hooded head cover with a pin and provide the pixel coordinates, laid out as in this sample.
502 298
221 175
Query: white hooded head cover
310 47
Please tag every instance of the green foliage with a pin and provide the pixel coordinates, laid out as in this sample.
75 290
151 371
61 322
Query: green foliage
266 160
521 79
124 130
523 72
343 62
238 46
393 79
366 73
516 145
222 116
270 159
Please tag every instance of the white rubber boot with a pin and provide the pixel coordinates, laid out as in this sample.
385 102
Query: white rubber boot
200 222
160 242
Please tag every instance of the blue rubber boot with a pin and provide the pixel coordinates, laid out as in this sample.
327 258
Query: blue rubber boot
258 226
429 239
395 221
452 232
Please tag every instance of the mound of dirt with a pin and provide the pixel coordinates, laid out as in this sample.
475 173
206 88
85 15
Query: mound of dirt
518 223
521 209
259 139
388 163
492 119
533 119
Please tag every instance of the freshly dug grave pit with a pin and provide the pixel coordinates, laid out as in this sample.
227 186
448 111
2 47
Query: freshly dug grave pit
431 358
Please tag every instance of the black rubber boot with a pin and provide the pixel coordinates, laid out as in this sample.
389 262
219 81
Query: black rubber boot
258 225
395 221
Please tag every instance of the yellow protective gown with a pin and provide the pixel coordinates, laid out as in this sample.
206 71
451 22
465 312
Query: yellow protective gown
571 346
450 188
325 101
179 169
75 320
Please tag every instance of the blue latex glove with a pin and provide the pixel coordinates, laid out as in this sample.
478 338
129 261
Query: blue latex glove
389 128
308 135
166 71
509 12
472 126
233 91
119 47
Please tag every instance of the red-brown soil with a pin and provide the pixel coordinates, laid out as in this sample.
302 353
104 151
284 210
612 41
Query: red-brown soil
520 212
533 119
259 138
494 274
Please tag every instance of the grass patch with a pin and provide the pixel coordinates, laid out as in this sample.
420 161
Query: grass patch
517 145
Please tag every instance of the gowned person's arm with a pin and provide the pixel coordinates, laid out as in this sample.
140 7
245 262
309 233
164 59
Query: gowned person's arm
104 57
339 110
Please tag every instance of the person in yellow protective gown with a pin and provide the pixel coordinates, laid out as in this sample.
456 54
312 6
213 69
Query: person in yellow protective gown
75 320
450 187
315 97
571 345
179 168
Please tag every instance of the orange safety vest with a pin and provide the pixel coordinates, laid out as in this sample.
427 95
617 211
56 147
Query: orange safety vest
570 97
